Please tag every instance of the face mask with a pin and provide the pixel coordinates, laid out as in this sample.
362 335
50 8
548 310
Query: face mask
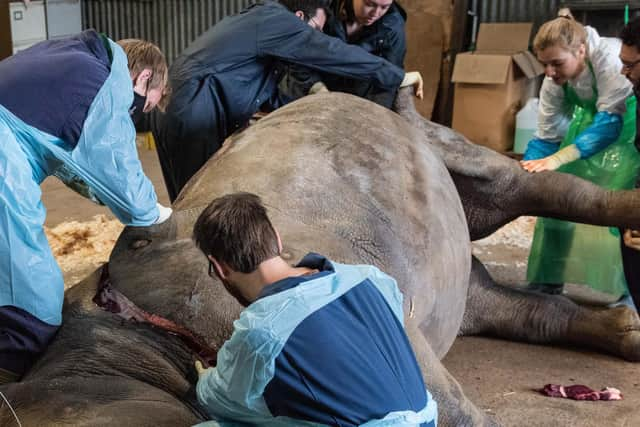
136 111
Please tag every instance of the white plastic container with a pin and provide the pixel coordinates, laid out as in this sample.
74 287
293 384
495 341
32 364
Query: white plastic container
526 125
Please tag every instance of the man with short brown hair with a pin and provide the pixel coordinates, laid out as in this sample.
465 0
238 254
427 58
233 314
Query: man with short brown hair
319 342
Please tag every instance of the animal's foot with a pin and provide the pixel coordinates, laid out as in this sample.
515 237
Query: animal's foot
626 324
615 330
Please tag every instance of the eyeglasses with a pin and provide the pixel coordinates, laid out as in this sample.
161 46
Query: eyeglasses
627 66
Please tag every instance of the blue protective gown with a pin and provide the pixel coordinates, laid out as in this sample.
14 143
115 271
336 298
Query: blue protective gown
324 349
232 70
82 123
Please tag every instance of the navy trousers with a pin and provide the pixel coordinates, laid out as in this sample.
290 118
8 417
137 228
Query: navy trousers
23 338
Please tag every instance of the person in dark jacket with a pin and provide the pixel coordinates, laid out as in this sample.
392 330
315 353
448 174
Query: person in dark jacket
377 26
69 104
630 242
232 71
319 343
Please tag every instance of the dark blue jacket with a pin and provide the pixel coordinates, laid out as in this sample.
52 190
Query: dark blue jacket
237 58
385 38
233 69
52 85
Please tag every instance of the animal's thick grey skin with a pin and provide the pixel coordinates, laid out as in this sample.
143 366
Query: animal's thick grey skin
351 180
103 371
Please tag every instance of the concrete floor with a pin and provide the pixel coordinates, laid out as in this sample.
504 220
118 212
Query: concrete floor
500 377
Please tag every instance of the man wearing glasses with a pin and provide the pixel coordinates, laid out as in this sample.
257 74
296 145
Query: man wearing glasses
319 343
630 57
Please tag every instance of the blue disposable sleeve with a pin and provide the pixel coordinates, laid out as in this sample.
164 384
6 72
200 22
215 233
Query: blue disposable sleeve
604 131
539 149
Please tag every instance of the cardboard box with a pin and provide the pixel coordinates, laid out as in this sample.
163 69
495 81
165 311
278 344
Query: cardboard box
490 84
425 38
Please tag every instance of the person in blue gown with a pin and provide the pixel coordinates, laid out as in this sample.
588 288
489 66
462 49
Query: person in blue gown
66 105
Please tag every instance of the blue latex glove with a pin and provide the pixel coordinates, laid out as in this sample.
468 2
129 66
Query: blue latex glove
539 149
604 131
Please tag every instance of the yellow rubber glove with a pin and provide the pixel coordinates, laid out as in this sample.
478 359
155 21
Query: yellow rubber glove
318 87
553 162
200 369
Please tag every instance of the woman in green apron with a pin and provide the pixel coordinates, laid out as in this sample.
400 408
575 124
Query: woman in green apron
586 127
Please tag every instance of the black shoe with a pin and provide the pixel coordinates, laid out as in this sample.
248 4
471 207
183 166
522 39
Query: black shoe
546 288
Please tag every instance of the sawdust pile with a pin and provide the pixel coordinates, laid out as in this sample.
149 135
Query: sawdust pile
80 247
518 233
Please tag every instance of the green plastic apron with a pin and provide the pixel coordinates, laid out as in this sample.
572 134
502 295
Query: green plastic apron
568 252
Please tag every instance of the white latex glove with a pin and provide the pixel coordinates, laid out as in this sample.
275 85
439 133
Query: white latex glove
632 239
165 213
553 162
318 87
414 78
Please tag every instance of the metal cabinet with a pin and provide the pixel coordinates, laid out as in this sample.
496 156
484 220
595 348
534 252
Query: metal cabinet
23 25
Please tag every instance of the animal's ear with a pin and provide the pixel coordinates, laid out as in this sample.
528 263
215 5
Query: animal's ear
220 267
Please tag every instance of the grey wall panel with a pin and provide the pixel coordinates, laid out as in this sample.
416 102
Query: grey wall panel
536 11
171 24
64 18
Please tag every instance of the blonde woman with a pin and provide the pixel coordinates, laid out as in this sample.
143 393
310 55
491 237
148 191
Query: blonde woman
586 126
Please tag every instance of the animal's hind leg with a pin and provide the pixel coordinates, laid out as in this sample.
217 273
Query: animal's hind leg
514 314
454 408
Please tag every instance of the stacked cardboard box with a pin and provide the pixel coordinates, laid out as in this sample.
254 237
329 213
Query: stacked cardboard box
491 84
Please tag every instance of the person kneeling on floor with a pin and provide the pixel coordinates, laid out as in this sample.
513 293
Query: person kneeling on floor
319 343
